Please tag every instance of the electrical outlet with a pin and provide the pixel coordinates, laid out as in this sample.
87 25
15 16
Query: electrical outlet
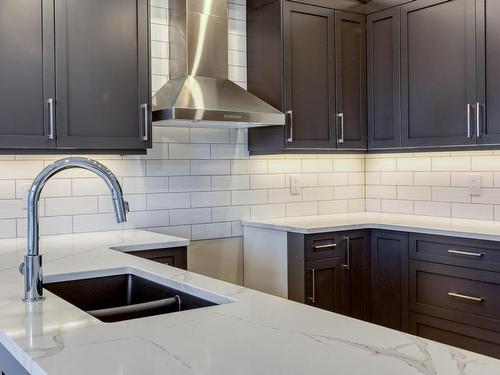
475 184
294 185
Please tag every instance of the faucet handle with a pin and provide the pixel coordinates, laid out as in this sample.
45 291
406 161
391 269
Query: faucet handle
126 205
22 267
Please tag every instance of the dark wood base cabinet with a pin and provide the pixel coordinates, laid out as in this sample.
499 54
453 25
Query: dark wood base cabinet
175 256
442 288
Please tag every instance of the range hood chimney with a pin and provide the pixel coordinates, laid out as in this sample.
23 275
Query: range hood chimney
199 92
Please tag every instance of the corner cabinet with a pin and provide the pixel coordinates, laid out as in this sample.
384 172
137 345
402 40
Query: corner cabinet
383 70
309 62
331 271
84 85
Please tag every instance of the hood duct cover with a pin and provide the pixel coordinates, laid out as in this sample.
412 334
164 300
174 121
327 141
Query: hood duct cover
199 89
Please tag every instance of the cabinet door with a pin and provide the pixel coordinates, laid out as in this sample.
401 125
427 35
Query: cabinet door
309 75
26 73
488 79
384 119
356 301
350 67
102 75
323 284
460 335
437 72
389 260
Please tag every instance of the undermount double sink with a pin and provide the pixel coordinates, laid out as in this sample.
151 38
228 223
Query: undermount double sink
128 293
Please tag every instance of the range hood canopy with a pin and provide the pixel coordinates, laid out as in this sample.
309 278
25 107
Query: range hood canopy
199 90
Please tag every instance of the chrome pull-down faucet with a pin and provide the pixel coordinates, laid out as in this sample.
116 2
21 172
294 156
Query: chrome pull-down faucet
31 268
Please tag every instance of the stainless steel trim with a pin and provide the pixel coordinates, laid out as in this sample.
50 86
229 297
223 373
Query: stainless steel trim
290 138
32 267
466 253
101 313
466 297
340 116
51 103
347 266
313 298
145 119
469 110
325 246
478 120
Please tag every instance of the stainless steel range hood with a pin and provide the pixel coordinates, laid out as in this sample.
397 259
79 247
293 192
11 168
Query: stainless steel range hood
199 92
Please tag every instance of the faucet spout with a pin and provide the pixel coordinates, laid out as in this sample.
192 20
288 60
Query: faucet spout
32 266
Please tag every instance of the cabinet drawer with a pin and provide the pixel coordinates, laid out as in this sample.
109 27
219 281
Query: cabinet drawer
463 295
464 252
456 334
323 246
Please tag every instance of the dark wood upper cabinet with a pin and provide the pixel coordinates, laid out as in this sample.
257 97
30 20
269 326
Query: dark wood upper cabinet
309 62
438 72
102 74
389 260
488 72
350 67
383 69
74 75
309 75
26 73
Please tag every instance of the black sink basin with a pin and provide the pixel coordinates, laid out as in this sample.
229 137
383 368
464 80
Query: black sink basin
123 297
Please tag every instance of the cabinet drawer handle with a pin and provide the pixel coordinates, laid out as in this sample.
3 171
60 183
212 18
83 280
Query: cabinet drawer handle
145 135
313 275
327 246
466 297
340 116
466 253
347 265
469 110
51 103
290 114
478 120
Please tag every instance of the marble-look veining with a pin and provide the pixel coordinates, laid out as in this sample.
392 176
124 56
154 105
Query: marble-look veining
257 334
465 228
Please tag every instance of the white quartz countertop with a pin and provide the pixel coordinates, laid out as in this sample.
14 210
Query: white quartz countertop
478 229
256 334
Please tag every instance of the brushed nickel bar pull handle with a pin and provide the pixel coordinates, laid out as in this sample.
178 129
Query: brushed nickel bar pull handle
290 114
347 266
340 116
145 136
478 120
325 246
313 298
466 297
466 253
51 103
469 110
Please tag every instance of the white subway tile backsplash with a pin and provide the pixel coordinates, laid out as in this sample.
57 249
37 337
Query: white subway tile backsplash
189 151
8 228
240 182
333 179
421 164
230 213
446 164
190 216
211 199
249 166
71 206
444 194
320 165
213 230
240 197
416 193
168 167
302 209
189 183
472 211
145 185
396 206
210 167
316 194
95 223
396 178
168 201
285 166
266 211
381 191
267 181
333 207
431 178
433 208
